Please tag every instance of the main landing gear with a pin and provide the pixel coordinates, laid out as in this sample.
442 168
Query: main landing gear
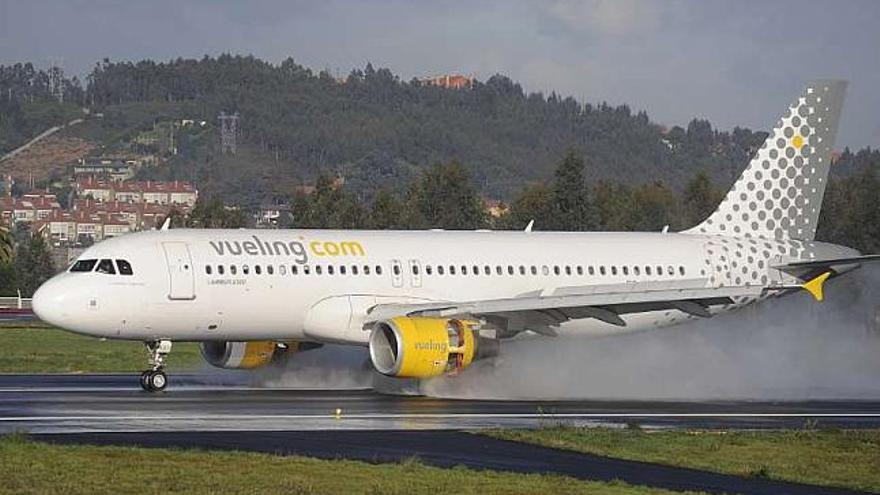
154 379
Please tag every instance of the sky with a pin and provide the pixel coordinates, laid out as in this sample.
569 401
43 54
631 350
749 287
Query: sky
735 62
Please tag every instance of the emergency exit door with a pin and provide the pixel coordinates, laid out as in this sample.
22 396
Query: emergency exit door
181 276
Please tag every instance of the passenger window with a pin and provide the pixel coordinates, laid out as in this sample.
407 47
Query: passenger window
294 269
124 267
329 269
636 270
396 269
282 269
510 269
592 270
378 269
463 270
487 270
83 265
625 269
270 269
602 270
415 269
681 270
659 270
342 269
208 269
647 269
567 270
580 270
670 270
545 270
354 269
233 269
613 270
522 270
245 269
428 269
220 269
452 269
439 269
499 270
106 266
534 270
366 269
556 270
257 269
317 269
306 269
476 270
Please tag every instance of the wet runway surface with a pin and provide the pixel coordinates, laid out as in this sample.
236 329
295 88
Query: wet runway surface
115 403
200 411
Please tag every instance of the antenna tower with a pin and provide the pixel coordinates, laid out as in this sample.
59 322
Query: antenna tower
228 132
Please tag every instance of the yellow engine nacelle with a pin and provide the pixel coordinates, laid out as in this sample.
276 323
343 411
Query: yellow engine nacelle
240 355
421 347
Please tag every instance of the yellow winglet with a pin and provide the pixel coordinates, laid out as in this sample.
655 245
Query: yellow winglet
814 286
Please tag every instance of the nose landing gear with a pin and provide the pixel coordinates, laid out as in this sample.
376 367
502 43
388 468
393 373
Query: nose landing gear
154 379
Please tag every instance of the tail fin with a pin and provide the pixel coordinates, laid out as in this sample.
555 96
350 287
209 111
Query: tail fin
779 194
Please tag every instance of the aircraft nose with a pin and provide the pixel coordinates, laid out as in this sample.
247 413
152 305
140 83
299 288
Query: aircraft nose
47 303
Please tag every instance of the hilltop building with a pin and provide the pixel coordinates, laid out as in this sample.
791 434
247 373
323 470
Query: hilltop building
449 81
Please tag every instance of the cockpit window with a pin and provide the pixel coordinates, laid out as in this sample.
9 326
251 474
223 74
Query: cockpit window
124 267
106 266
83 266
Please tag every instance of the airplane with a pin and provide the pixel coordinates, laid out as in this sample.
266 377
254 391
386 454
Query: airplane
429 303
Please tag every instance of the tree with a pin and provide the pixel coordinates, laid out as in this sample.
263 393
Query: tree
213 214
33 264
574 210
700 198
444 197
7 247
614 204
386 212
654 206
535 202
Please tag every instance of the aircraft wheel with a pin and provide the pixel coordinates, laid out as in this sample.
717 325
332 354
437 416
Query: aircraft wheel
157 381
145 380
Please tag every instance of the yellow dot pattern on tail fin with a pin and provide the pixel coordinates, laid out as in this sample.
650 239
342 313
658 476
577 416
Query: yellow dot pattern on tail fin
797 141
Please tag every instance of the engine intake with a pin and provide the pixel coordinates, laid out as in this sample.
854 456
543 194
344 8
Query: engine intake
421 347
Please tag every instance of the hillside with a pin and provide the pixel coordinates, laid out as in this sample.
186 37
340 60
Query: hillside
372 127
47 159
380 131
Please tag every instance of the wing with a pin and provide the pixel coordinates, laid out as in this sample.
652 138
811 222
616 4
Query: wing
542 313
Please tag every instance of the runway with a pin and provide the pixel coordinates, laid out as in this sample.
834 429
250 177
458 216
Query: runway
115 403
227 413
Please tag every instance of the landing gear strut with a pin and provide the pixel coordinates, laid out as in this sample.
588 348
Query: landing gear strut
154 379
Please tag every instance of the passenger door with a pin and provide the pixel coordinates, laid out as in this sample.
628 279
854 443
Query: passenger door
181 275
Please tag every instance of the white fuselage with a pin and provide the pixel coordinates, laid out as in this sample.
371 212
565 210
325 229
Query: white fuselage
198 285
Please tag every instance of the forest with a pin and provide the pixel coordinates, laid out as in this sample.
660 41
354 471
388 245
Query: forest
376 129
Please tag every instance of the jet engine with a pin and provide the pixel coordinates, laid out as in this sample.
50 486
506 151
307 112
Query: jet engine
422 347
242 355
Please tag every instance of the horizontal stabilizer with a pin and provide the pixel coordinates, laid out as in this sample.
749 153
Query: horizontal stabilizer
808 269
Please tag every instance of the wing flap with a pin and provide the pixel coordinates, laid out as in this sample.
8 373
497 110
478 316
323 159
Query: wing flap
526 312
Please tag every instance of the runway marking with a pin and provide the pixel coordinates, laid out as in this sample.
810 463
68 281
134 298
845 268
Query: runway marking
239 417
